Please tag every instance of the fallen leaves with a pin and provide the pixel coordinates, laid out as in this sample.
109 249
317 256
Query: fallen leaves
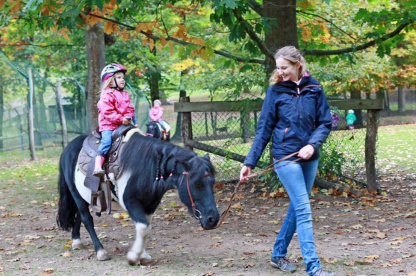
48 271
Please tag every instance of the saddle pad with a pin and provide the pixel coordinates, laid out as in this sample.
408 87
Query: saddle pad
89 149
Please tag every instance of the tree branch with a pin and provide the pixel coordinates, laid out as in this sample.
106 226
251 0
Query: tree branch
169 38
254 36
359 47
258 8
326 20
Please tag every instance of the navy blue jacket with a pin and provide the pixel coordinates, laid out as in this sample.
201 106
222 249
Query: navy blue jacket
297 115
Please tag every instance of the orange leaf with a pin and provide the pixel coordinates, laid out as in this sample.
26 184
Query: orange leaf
163 40
110 27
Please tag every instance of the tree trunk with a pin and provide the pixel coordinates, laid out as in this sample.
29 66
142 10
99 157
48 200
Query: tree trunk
370 150
94 38
356 95
283 32
153 80
401 100
1 110
36 122
41 102
30 116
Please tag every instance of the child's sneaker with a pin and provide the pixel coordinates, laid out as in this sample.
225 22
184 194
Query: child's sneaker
283 264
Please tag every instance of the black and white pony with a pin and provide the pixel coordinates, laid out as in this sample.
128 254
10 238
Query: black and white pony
144 160
155 130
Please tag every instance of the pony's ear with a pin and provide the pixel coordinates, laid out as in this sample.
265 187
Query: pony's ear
206 156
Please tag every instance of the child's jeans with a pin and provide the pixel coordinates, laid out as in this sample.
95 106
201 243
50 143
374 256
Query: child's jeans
105 142
298 178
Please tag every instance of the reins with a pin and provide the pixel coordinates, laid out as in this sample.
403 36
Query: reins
197 213
268 168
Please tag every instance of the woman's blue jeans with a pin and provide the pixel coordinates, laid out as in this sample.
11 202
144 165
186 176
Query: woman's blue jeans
105 144
298 178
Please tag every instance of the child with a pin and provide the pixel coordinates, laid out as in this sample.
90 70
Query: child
335 117
115 108
351 119
156 113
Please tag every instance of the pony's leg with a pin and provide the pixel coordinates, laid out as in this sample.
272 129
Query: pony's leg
76 236
145 257
88 222
138 216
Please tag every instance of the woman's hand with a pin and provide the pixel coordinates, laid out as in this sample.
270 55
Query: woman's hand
306 152
245 173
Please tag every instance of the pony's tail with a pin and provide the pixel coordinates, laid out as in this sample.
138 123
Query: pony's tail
67 209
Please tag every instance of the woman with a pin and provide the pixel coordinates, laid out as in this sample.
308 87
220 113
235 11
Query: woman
296 111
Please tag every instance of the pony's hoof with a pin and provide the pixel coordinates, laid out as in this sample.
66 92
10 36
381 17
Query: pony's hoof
132 258
102 255
77 244
145 258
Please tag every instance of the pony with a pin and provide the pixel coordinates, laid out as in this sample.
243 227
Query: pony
155 130
150 168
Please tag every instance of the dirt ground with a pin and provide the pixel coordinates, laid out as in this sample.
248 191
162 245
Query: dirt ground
371 235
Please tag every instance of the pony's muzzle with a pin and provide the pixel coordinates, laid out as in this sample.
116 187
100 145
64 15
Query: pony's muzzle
210 221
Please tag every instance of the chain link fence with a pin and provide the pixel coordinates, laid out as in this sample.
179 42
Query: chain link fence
14 106
342 156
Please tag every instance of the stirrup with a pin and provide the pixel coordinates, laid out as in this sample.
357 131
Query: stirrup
98 203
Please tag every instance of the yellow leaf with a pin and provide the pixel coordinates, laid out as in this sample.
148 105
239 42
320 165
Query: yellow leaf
48 271
237 206
110 27
371 258
306 34
66 254
357 226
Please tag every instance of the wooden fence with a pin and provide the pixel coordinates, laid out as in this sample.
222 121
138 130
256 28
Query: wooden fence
185 108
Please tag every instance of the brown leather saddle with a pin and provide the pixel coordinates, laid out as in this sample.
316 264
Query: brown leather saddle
100 199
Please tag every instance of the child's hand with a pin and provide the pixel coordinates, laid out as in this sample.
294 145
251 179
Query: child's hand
126 121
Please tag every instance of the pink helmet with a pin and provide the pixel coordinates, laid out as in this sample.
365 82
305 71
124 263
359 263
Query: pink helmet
110 69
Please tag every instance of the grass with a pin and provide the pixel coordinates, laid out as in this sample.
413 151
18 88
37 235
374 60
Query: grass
396 150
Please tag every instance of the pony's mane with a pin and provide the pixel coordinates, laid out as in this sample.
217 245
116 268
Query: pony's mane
161 159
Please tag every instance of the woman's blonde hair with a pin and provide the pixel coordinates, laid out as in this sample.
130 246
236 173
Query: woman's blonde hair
291 54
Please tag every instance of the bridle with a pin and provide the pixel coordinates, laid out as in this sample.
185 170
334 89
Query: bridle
197 214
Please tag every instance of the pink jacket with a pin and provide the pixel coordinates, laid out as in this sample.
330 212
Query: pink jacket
113 106
156 113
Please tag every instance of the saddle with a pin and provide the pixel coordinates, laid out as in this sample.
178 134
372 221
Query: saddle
102 188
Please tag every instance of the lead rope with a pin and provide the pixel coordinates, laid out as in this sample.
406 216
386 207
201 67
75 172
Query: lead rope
268 168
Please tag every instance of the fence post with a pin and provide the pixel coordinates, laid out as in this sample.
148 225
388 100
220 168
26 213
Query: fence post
186 128
370 150
244 124
30 116
61 114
